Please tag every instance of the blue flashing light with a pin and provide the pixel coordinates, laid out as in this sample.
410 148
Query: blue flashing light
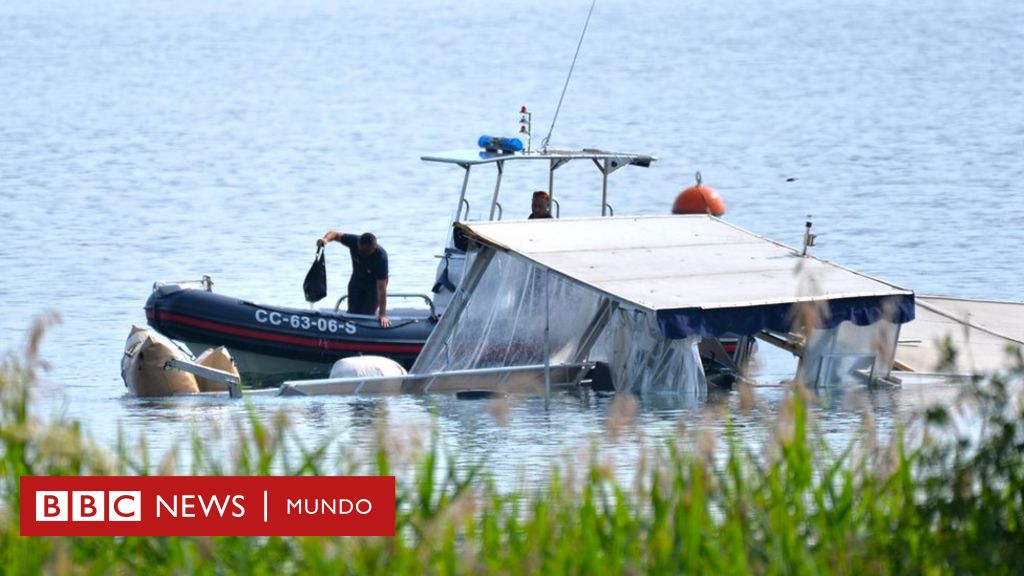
499 144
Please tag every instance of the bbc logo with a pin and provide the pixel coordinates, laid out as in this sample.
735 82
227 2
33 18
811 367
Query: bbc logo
89 506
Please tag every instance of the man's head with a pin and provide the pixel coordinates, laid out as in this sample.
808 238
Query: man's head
367 243
541 205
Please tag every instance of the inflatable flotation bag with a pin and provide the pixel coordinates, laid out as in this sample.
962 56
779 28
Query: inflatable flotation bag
142 366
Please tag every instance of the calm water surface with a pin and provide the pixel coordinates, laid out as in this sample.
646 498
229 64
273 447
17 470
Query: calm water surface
144 141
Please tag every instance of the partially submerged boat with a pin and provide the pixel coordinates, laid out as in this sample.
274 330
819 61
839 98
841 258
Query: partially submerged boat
628 304
547 303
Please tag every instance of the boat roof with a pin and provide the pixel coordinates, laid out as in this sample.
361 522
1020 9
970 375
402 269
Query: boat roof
476 156
701 275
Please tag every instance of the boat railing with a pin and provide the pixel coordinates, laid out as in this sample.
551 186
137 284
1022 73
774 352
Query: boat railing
205 283
424 297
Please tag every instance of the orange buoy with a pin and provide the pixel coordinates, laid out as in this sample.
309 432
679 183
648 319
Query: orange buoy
699 199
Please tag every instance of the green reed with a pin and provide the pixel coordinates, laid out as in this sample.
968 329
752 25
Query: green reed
949 501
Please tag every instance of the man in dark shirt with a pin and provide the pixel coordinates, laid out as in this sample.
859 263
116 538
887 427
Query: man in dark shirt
540 207
368 286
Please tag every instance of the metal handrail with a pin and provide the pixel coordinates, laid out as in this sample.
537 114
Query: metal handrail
430 303
205 282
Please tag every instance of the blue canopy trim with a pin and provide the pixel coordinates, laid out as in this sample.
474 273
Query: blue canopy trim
716 322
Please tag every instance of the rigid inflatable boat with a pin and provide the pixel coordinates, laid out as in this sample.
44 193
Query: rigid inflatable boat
273 343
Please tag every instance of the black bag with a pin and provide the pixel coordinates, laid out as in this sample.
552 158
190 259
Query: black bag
315 285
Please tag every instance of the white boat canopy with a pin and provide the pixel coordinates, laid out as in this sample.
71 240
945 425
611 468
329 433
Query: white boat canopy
640 293
699 274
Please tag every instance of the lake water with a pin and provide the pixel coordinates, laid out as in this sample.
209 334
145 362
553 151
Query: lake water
144 141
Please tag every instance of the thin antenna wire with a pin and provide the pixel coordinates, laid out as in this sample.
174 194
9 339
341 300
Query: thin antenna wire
562 97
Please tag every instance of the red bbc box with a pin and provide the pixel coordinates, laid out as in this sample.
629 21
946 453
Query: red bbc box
208 505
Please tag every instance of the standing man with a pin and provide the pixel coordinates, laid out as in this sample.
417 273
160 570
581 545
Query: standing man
368 286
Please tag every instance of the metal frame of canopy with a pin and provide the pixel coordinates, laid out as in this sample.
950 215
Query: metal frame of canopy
606 162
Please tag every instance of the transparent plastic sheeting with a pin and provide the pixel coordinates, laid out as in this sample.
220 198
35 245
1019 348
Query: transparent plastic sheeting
500 322
642 360
836 356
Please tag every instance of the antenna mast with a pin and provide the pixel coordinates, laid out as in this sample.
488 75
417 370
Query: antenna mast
566 86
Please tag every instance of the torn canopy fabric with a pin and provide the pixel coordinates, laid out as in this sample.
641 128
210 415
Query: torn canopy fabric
832 354
642 361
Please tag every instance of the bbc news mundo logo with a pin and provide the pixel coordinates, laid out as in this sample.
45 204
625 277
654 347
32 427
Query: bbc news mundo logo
208 506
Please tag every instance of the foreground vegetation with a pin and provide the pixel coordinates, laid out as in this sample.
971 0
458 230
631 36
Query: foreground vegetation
949 501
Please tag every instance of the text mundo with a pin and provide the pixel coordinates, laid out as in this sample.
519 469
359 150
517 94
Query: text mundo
124 506
336 506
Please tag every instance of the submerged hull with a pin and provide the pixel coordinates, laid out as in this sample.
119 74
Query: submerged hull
271 344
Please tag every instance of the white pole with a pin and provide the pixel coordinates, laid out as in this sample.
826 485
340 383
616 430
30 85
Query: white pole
547 342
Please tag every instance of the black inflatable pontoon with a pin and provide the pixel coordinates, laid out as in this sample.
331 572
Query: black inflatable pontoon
271 343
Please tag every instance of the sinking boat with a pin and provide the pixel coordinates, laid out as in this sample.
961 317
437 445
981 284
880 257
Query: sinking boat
638 304
546 304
